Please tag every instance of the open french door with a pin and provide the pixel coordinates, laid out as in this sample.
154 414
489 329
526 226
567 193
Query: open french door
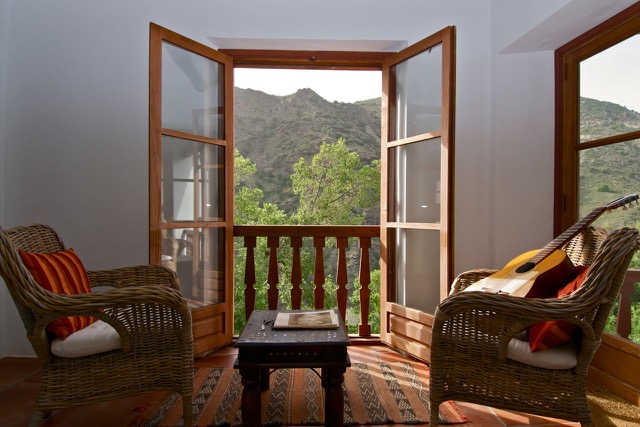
191 177
416 229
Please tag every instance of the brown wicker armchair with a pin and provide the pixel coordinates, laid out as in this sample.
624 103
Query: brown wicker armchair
144 307
472 333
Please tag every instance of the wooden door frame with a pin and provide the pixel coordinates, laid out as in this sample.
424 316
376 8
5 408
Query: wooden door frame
401 327
214 322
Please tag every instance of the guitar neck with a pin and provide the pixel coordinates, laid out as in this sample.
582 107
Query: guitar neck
568 234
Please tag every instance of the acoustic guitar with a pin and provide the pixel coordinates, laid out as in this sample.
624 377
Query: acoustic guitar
527 273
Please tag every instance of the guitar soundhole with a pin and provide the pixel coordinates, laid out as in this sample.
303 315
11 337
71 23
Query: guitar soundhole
525 267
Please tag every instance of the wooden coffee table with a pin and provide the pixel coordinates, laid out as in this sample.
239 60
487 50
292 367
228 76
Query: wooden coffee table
261 350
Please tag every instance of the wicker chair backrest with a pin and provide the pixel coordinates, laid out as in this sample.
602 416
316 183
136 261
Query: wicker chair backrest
583 248
26 293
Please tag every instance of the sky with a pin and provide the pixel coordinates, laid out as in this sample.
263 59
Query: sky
332 85
614 75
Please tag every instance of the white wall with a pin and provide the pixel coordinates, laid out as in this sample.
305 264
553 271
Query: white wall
4 32
75 105
522 135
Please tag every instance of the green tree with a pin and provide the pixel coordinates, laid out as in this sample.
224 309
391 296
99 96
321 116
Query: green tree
336 188
248 206
250 210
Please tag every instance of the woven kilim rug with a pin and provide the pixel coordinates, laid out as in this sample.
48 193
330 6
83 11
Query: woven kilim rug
374 393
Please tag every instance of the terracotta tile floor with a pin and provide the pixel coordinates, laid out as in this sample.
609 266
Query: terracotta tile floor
19 382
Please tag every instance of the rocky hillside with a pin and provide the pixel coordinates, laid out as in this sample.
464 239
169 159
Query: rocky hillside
599 119
275 131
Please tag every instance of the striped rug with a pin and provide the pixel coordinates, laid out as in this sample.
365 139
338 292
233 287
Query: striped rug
375 393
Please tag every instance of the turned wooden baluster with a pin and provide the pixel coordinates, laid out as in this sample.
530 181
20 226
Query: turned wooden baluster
341 276
364 329
318 273
273 242
250 276
296 273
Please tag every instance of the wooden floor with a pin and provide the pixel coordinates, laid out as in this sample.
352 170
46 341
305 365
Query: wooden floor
19 382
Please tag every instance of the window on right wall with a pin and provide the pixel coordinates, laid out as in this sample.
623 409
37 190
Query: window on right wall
598 133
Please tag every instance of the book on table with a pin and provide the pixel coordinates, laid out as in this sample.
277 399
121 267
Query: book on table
306 319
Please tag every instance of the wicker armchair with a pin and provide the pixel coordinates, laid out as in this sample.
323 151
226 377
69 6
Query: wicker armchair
144 307
472 332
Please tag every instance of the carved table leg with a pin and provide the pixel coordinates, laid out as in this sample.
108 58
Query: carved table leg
264 379
251 403
332 379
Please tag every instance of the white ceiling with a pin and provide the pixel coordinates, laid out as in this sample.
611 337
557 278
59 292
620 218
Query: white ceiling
566 24
317 45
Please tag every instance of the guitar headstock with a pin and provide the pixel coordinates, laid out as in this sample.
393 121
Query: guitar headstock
623 201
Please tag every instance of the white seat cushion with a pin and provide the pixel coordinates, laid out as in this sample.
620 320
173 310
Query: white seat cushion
561 357
95 338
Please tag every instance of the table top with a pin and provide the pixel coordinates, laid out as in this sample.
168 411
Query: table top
253 335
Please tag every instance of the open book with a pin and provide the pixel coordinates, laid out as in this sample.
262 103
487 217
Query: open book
314 319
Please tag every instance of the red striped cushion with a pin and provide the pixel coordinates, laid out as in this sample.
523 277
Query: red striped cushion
61 273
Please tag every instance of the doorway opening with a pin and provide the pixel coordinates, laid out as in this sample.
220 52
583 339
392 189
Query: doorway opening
307 152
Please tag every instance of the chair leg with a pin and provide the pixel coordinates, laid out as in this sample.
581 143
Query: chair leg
586 422
434 416
187 411
38 417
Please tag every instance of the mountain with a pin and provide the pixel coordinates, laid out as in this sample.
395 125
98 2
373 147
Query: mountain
276 131
599 119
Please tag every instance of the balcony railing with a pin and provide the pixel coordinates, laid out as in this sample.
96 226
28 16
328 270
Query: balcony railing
623 326
295 234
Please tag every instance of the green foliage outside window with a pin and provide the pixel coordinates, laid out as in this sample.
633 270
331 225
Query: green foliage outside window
335 188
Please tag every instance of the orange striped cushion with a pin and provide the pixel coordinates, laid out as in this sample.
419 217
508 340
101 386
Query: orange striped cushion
61 273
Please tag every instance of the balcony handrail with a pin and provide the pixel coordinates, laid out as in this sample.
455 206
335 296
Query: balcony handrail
306 231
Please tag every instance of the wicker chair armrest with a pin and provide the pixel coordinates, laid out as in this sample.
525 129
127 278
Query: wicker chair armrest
468 278
512 307
134 276
133 312
88 304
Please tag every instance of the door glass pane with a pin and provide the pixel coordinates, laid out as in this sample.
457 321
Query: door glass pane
610 91
192 93
416 107
417 268
605 174
415 174
192 180
197 256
